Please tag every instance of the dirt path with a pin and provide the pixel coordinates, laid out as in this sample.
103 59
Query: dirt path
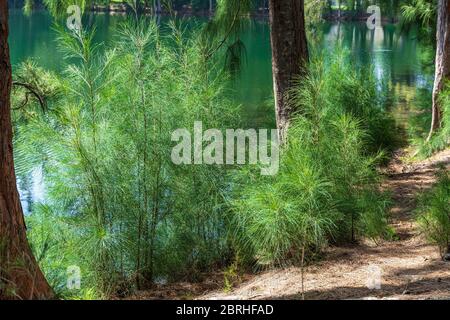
408 267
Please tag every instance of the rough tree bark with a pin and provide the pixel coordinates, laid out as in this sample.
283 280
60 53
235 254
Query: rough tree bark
20 276
289 54
442 73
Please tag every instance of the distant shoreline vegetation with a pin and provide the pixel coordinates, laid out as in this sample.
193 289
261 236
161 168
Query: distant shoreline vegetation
188 10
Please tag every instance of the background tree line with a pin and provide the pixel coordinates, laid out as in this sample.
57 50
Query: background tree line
159 5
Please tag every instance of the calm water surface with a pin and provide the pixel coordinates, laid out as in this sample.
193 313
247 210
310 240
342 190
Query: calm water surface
393 56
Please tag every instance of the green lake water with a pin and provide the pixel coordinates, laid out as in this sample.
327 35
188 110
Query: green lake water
394 57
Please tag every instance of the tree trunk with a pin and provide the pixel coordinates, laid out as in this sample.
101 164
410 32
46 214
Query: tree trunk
158 7
442 73
339 10
20 276
289 54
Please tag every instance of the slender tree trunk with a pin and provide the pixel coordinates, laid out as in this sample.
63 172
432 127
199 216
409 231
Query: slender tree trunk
442 73
339 10
158 7
289 53
20 276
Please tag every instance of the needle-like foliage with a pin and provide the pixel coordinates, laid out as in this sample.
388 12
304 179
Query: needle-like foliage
130 216
434 213
327 188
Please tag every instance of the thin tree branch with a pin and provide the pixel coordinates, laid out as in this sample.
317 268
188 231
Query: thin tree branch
33 92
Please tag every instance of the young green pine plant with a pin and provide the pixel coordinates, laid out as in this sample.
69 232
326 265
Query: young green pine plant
434 213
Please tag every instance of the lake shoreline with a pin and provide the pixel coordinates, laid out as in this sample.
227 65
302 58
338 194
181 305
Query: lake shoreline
123 9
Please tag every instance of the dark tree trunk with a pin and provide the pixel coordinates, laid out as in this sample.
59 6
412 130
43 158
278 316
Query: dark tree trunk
289 53
339 10
158 7
442 62
20 276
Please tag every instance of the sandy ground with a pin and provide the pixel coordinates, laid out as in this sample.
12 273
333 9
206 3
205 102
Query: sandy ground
408 268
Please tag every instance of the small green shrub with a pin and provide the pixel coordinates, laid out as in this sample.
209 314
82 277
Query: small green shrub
231 276
434 213
441 139
115 203
327 188
420 124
